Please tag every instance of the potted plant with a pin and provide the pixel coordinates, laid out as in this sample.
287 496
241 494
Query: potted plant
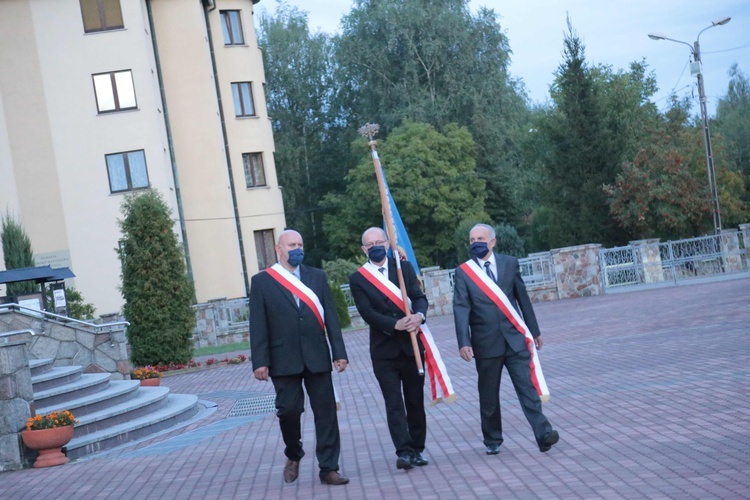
148 375
47 434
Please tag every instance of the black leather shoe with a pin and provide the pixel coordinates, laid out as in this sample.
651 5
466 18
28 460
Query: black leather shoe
404 462
549 439
418 459
493 449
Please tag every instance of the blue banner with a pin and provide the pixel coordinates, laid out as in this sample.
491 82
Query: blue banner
401 236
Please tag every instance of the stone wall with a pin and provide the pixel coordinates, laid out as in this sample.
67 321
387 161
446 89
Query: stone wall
578 271
72 344
221 323
16 403
438 286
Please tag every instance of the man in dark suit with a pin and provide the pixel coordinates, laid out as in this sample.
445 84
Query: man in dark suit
486 334
391 349
291 307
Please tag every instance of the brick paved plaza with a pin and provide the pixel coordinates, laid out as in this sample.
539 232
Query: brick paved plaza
649 392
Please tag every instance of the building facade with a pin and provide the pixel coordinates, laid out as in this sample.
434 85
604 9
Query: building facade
102 98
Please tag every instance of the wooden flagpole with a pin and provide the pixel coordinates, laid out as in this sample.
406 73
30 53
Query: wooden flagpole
369 131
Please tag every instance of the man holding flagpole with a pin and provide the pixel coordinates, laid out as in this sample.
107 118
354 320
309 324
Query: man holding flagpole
376 293
291 310
496 325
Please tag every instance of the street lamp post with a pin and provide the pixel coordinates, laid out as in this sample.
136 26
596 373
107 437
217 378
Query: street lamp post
695 69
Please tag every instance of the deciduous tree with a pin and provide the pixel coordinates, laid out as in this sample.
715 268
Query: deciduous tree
433 180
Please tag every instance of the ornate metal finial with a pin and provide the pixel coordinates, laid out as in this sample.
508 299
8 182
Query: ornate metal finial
369 130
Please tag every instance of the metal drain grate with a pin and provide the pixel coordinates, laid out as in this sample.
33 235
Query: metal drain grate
259 405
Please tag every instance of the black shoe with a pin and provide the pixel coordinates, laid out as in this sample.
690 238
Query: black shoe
548 440
404 462
493 449
418 459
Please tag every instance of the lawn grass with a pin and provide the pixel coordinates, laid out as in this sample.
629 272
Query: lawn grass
220 349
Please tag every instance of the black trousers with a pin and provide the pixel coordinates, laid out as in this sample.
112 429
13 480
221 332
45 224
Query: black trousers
403 392
489 371
290 403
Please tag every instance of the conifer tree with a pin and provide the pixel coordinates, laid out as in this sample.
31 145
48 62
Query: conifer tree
17 253
158 291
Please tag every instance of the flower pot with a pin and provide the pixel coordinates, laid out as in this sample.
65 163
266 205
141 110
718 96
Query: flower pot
150 382
48 442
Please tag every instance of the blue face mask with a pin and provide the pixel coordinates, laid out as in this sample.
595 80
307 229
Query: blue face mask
376 253
295 257
479 249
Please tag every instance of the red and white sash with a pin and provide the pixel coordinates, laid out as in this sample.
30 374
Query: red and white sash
440 382
299 290
496 295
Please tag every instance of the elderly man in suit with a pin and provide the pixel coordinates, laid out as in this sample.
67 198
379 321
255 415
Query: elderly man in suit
374 288
291 308
489 335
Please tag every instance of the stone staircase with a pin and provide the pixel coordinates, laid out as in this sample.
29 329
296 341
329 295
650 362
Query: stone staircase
109 412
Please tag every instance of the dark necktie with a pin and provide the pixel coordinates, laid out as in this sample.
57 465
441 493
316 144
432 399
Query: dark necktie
489 271
382 270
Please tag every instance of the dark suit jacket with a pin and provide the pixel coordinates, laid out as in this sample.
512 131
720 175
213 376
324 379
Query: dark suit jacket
480 323
288 339
381 314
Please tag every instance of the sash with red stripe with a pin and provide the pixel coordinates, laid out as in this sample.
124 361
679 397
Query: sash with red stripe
440 382
496 295
299 290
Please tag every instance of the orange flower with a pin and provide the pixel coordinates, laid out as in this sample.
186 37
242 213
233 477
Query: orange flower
51 420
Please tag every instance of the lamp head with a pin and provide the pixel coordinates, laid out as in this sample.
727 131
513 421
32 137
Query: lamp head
657 36
721 22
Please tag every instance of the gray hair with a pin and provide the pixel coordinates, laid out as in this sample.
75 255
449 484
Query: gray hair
487 227
385 236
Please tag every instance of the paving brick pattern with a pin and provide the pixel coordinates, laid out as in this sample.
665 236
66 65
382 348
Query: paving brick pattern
649 393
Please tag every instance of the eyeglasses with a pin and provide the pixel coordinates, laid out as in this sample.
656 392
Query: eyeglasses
375 244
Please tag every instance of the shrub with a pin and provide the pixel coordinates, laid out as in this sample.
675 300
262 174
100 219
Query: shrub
17 254
342 309
157 289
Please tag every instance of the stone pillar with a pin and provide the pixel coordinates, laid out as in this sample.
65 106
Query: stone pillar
438 286
730 251
16 403
578 271
745 230
648 251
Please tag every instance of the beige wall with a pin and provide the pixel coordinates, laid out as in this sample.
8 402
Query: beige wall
202 165
53 141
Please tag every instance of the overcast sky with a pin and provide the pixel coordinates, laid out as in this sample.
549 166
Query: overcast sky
614 32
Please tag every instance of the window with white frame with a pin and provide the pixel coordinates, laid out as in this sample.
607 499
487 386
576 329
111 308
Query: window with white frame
231 27
101 15
127 171
114 91
242 92
264 248
255 175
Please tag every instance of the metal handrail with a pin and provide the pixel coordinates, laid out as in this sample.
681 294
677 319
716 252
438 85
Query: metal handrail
17 332
64 318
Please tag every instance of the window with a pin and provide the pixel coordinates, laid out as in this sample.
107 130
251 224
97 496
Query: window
231 26
264 248
101 15
127 171
243 99
254 174
114 91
